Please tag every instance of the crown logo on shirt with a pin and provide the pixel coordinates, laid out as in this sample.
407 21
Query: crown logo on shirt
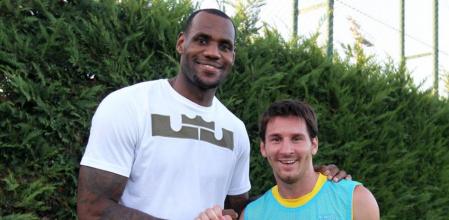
192 128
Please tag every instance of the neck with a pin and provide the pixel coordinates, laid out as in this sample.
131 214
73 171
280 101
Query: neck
299 188
193 93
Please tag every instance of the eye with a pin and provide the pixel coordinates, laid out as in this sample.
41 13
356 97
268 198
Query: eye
202 40
275 140
297 138
225 47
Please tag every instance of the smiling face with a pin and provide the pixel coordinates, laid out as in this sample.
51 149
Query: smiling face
289 148
207 50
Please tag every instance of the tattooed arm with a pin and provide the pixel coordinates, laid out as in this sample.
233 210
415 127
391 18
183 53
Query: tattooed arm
237 202
98 195
233 204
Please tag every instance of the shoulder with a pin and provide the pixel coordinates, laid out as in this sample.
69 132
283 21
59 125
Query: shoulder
348 182
128 102
131 94
342 192
138 89
225 112
344 185
364 204
262 207
259 203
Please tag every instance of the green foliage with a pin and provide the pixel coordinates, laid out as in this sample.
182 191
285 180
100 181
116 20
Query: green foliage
373 122
58 59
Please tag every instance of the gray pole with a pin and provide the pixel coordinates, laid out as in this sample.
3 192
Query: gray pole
435 47
295 18
402 43
330 29
221 5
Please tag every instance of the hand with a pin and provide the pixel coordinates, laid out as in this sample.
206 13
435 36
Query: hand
332 172
230 212
217 213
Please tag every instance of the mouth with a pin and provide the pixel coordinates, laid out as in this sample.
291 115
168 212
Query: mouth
210 65
287 162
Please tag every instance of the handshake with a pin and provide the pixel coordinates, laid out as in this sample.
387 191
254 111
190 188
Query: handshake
217 213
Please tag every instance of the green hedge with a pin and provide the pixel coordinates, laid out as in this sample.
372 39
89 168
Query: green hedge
58 59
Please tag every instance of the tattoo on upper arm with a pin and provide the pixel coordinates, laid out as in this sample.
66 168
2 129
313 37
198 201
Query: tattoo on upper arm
95 184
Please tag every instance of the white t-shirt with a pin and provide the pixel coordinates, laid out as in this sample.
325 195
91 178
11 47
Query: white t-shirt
180 158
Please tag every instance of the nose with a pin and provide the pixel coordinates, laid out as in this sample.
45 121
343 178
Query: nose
286 148
212 51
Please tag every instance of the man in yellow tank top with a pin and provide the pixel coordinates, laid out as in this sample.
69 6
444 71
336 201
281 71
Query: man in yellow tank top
288 132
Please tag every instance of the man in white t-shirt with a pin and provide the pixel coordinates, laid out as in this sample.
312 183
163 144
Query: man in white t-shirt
168 149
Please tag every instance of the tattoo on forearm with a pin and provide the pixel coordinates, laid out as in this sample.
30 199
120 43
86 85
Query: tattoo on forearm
122 213
98 195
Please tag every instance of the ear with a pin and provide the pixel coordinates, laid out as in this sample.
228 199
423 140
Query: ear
180 43
314 145
262 149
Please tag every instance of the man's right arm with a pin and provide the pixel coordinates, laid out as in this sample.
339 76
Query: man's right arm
364 204
98 194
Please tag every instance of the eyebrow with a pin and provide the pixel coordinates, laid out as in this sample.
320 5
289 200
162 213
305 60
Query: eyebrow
221 40
274 135
293 134
227 42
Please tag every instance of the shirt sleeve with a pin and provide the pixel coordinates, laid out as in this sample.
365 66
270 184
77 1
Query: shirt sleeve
113 136
240 180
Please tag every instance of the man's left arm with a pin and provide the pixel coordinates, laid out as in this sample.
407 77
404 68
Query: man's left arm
233 207
364 204
237 202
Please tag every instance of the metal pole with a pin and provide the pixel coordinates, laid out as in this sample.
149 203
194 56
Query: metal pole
295 18
402 43
221 5
435 47
330 29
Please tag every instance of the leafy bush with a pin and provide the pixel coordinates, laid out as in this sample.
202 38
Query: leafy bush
58 59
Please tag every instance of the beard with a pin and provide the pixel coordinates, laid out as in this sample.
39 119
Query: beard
288 179
192 76
201 84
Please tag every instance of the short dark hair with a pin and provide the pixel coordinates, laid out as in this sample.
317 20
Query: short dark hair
287 108
188 22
